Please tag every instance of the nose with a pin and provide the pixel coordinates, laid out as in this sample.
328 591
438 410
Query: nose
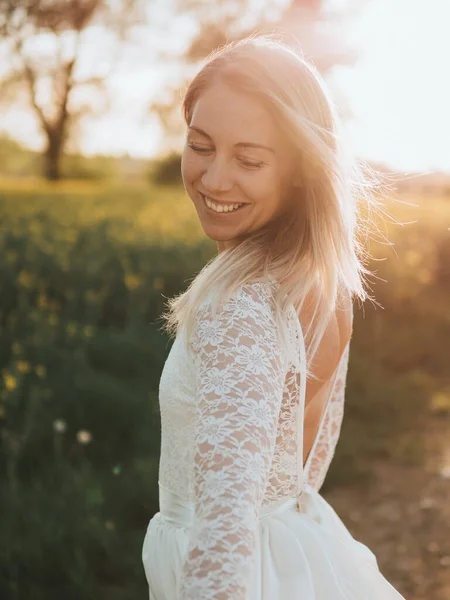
217 177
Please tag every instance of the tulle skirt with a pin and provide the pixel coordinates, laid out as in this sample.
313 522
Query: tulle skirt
304 552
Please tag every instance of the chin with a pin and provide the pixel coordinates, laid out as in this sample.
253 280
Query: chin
216 237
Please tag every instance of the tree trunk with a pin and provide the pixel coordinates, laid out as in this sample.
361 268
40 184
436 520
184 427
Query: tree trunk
52 158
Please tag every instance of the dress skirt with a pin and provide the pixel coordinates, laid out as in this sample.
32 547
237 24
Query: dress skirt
303 552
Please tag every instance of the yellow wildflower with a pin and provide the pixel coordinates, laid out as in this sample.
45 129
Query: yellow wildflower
10 381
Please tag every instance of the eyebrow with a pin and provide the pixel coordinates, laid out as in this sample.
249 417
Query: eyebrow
239 144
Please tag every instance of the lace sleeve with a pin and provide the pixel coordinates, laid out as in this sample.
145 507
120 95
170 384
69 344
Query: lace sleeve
240 372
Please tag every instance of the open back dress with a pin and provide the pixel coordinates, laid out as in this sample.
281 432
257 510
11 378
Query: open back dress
241 516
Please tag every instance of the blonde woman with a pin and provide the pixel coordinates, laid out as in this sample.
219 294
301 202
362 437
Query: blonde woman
252 391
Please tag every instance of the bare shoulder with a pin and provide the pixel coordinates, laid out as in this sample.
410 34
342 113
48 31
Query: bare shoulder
336 335
330 351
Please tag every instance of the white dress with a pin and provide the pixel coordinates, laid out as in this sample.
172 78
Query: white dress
240 518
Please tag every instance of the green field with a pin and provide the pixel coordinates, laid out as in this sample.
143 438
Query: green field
85 270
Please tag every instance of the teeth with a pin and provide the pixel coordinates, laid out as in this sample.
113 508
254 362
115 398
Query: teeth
221 208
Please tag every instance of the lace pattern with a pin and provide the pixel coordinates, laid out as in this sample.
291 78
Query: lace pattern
240 373
232 435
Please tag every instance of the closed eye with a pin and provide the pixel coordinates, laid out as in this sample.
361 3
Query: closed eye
247 164
199 149
251 165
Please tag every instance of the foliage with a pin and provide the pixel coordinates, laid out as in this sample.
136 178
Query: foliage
80 356
167 170
16 161
84 271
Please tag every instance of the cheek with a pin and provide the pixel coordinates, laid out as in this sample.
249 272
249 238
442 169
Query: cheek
191 167
261 186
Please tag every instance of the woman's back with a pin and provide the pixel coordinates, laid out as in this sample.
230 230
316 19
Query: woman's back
327 360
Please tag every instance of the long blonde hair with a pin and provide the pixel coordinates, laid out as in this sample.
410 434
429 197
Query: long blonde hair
319 249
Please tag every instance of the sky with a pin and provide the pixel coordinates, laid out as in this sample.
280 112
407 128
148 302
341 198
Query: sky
398 90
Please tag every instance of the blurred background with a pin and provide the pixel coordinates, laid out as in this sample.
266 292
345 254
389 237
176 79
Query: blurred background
96 232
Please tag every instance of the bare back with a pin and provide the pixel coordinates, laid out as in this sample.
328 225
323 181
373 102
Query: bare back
329 353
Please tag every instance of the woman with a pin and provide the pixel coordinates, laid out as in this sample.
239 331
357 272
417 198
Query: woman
252 391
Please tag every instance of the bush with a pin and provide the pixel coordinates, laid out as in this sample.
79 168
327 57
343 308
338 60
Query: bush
81 353
17 161
167 171
95 168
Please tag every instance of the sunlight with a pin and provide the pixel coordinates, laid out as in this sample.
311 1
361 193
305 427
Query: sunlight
396 91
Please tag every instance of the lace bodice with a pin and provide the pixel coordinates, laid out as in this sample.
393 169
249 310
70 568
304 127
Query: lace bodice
232 434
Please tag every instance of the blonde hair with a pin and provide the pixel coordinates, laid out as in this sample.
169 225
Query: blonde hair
319 249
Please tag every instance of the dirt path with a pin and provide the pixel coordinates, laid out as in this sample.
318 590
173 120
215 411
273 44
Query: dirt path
405 518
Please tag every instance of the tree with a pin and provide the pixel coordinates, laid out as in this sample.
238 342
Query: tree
42 40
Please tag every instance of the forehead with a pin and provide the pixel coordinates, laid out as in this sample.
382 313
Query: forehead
228 114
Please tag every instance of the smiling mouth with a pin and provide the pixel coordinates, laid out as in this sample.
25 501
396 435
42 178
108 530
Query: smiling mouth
222 212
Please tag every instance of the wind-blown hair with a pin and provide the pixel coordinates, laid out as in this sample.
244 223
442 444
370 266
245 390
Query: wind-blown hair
317 249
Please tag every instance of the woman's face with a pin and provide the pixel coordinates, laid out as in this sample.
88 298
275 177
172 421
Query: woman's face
235 154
